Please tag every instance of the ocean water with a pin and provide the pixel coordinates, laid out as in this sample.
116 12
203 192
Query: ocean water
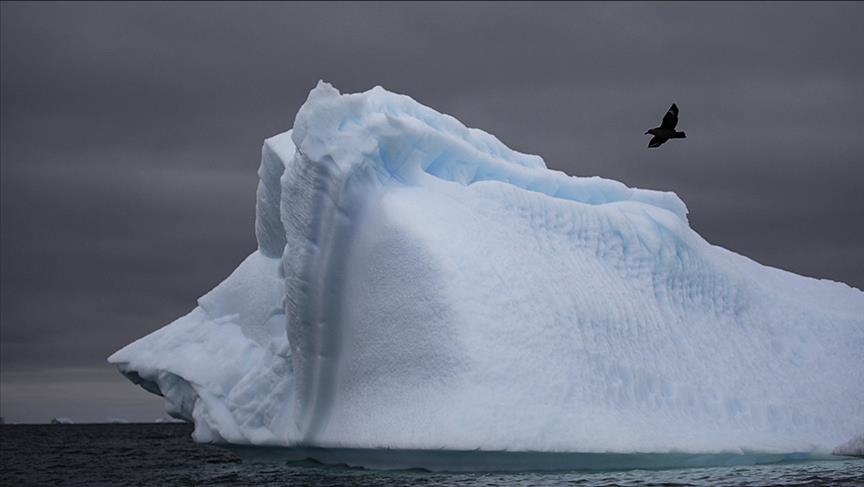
164 454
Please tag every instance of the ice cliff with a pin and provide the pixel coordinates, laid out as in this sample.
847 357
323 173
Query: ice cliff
419 285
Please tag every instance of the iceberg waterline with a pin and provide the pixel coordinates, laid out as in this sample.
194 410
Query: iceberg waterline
419 285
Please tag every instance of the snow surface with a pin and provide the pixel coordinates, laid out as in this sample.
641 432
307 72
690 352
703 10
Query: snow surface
419 285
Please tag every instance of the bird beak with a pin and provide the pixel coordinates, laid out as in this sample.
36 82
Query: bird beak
646 133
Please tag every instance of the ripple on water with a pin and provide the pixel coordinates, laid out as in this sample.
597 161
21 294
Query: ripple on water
164 454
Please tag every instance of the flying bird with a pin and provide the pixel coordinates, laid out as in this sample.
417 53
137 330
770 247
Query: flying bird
666 130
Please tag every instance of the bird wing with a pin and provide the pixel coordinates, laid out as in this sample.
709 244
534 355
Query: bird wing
657 141
670 120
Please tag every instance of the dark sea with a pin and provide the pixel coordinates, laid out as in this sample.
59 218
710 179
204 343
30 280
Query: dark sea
164 454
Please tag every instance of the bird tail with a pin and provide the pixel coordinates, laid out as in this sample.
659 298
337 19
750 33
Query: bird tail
678 135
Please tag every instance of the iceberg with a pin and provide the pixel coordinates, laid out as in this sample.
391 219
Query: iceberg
420 286
853 448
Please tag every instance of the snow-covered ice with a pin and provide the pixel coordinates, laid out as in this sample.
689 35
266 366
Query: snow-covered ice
419 285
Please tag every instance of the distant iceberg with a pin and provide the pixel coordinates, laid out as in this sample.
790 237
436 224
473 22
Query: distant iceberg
854 447
166 420
418 285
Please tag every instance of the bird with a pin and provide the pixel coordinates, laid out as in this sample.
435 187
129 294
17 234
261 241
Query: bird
666 130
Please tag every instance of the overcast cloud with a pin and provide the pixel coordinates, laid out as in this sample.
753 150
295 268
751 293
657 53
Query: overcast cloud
131 134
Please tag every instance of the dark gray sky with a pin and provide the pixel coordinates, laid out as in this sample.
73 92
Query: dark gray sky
131 136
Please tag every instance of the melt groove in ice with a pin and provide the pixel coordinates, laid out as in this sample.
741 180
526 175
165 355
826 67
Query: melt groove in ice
419 285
